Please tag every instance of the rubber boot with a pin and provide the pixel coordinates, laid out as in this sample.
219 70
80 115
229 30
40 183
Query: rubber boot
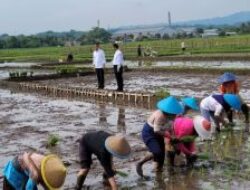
80 181
140 163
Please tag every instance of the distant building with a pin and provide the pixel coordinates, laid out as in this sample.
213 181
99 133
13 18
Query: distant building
210 33
71 43
150 32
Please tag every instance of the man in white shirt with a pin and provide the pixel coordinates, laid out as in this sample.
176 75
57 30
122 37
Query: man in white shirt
118 67
99 62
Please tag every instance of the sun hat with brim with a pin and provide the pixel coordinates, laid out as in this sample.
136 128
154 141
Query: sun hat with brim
191 103
53 172
202 127
170 105
118 146
227 77
233 100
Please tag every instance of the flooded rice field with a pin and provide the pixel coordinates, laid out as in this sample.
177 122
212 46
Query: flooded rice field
198 85
191 64
28 120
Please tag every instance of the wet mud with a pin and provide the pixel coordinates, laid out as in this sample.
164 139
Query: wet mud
179 84
27 120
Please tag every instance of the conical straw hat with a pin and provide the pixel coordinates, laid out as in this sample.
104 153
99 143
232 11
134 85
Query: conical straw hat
53 172
170 105
202 127
118 146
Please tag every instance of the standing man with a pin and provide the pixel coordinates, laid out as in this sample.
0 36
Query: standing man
99 62
118 67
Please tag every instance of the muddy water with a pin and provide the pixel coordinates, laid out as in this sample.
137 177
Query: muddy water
27 120
15 64
198 85
203 64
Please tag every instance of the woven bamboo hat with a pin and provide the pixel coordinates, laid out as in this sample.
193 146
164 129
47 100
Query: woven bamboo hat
202 127
53 172
118 146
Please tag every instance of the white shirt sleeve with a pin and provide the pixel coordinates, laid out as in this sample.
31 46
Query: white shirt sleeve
104 58
218 110
118 58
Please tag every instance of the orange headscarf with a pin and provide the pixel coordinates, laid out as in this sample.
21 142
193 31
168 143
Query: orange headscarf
231 87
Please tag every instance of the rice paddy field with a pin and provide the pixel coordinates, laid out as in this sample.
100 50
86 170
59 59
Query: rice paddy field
195 46
35 121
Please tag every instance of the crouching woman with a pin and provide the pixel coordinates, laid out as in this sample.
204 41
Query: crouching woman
153 132
182 135
28 170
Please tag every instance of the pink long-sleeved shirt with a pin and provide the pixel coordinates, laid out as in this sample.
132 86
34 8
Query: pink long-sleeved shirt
183 126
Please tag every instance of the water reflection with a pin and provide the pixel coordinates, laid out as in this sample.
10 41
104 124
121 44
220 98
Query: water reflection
121 125
103 115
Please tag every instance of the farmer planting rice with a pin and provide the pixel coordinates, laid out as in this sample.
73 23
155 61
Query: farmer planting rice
182 135
28 170
215 105
104 146
189 103
229 84
154 130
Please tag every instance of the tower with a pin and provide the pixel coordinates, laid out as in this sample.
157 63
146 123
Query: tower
169 18
98 23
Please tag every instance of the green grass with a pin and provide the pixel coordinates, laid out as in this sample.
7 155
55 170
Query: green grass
234 44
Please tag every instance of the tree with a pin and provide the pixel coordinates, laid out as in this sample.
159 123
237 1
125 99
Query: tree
222 33
96 34
199 31
158 36
165 36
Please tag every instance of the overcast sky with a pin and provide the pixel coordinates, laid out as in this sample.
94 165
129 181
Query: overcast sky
33 16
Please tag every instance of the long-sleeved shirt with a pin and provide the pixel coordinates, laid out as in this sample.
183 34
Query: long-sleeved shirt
182 127
211 104
99 59
118 58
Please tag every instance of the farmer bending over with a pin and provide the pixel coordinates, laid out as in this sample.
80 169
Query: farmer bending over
154 130
189 103
28 170
229 84
182 135
104 146
215 105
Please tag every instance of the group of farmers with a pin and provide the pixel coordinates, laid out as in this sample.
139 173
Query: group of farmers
164 131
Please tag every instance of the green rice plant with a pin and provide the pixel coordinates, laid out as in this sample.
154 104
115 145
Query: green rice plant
24 74
188 139
53 140
162 93
122 174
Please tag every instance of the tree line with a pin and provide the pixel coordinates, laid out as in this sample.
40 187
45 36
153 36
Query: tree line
50 38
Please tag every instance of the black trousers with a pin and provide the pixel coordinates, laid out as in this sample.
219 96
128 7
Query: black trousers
100 78
119 77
